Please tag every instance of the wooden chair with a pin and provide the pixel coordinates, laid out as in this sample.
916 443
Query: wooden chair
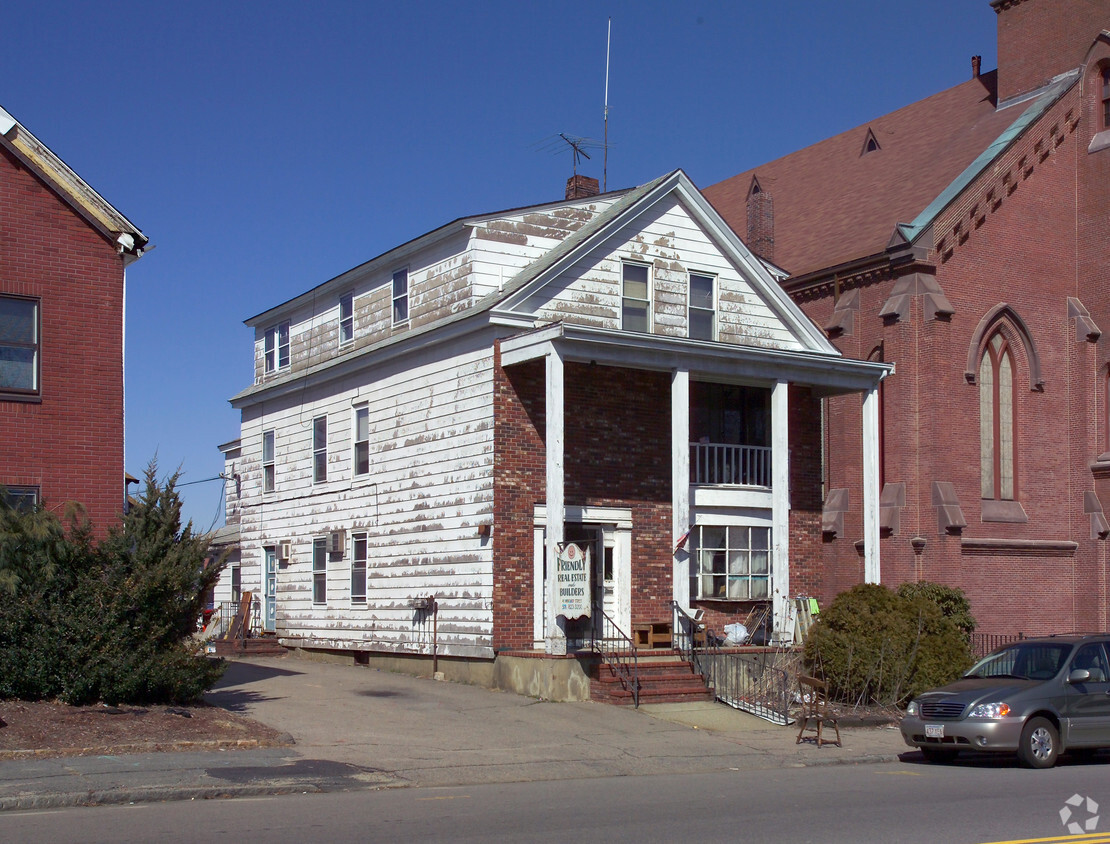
816 712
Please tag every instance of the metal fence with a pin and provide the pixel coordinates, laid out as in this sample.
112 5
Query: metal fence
983 643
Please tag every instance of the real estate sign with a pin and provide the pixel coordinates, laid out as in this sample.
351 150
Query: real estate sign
572 585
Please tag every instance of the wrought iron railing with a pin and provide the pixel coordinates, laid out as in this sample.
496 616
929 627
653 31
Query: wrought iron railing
983 643
617 649
723 463
753 682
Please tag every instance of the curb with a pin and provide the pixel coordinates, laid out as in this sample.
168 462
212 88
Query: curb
285 740
63 800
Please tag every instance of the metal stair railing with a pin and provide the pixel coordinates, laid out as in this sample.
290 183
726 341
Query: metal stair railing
753 683
617 649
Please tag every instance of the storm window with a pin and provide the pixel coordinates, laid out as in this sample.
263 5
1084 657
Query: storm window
635 298
703 307
319 449
362 441
277 347
19 345
346 318
358 569
320 570
400 297
268 469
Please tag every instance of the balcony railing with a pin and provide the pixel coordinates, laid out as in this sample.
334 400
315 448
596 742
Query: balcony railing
722 463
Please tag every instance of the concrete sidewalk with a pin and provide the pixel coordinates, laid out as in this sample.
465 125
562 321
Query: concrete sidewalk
357 727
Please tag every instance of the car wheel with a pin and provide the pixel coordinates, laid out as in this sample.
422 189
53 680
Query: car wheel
1040 744
938 754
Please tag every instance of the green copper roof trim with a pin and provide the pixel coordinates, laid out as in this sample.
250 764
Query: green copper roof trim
1043 101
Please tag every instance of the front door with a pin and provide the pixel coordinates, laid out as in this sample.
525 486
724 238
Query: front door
596 541
269 592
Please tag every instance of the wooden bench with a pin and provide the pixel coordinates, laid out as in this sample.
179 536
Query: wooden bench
658 634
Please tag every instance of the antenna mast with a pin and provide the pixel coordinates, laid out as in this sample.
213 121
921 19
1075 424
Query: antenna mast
605 165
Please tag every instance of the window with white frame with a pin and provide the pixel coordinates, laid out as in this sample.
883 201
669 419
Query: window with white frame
362 441
346 318
635 298
277 347
358 569
320 570
22 499
733 562
400 297
703 307
268 469
319 449
19 346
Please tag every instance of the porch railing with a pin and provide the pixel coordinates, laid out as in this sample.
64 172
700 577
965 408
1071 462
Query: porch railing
753 682
617 649
722 463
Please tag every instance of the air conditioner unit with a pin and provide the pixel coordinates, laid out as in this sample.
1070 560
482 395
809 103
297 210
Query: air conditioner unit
335 542
285 550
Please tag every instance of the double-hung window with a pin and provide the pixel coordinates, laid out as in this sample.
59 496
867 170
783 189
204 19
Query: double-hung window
277 347
734 562
346 318
358 569
400 297
268 474
362 441
703 307
320 570
319 449
19 346
635 298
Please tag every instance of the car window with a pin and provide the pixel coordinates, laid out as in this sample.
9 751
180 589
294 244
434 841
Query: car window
1092 657
1023 660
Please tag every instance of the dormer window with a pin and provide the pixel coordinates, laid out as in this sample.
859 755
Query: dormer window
870 143
277 347
346 318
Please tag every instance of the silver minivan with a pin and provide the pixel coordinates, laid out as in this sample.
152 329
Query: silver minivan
1035 697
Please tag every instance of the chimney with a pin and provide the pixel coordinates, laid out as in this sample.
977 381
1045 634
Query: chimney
976 63
761 224
580 187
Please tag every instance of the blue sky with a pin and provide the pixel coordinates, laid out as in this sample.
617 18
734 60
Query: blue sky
267 147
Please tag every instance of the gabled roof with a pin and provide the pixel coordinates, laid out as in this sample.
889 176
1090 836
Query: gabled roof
834 205
71 188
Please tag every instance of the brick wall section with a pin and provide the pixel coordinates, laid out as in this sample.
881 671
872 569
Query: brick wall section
1039 39
71 443
617 454
1013 238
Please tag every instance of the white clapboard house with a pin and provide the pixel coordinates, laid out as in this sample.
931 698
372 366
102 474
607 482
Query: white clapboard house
621 360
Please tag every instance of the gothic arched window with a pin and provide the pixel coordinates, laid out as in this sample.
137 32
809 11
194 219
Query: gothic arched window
996 420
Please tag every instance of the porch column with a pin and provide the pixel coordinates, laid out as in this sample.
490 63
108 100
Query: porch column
780 513
555 634
871 573
680 484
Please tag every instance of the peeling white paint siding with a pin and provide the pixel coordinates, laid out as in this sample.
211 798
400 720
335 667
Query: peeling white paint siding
505 245
430 484
673 244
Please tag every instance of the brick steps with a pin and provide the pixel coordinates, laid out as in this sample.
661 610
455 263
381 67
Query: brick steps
672 681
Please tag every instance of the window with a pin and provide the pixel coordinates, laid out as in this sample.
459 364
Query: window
320 570
362 441
346 318
400 297
19 345
734 563
996 420
22 499
319 449
277 347
1105 97
358 569
703 307
635 301
268 474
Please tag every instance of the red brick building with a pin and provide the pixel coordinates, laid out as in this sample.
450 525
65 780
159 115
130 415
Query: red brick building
963 238
63 254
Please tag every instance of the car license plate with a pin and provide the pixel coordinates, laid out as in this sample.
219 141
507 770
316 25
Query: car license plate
934 731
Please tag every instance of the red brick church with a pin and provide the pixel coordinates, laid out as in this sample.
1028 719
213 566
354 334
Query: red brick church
965 239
